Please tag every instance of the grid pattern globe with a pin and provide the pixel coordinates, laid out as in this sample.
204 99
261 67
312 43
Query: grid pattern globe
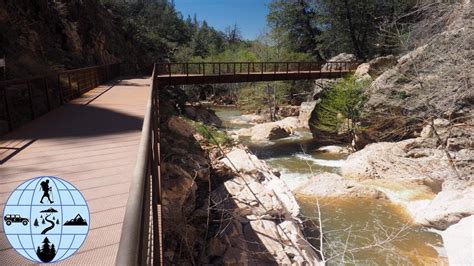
46 219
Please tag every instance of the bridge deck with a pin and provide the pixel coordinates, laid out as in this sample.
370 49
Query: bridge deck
181 79
91 142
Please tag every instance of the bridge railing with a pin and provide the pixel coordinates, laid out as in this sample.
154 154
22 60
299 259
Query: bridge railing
235 68
22 100
142 234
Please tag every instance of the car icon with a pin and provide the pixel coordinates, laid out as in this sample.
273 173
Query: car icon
15 218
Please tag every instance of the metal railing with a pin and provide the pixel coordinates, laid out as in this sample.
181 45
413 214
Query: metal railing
141 240
22 100
235 68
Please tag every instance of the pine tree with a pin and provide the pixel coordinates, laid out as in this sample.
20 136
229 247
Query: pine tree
295 24
46 247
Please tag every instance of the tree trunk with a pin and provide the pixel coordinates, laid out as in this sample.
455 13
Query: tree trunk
354 39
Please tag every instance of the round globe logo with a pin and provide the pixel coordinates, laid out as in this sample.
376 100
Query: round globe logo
46 219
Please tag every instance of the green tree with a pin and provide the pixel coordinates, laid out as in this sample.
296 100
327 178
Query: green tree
354 26
325 28
295 24
340 108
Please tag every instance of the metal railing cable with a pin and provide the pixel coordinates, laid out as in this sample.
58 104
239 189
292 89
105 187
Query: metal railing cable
141 240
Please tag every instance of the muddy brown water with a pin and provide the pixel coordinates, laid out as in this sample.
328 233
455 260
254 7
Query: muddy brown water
356 231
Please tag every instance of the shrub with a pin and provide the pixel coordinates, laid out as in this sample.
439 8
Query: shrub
340 108
213 135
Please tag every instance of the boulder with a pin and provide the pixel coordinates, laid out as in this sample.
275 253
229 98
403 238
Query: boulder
343 57
321 86
203 115
288 110
254 118
335 149
371 70
179 126
271 130
458 241
419 158
380 65
179 187
333 185
447 208
290 123
306 109
418 173
264 215
362 72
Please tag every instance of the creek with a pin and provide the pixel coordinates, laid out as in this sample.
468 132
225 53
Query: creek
367 231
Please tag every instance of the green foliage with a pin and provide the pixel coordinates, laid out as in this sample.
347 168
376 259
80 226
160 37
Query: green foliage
324 28
213 135
158 32
339 110
295 25
402 94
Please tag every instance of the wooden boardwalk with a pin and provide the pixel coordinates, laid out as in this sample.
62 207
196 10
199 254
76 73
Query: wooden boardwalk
91 142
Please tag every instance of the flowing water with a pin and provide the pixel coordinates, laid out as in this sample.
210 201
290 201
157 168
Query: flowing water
360 231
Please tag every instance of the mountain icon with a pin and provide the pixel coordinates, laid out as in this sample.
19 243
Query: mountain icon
78 220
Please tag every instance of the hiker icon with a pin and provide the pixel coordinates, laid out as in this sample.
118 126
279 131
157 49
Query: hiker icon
46 189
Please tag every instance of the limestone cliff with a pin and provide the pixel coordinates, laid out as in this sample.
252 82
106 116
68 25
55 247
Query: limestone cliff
434 80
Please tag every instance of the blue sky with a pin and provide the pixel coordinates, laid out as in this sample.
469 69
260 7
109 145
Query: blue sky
250 15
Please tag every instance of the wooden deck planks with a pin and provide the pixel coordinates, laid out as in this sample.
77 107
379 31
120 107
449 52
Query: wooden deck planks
91 142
